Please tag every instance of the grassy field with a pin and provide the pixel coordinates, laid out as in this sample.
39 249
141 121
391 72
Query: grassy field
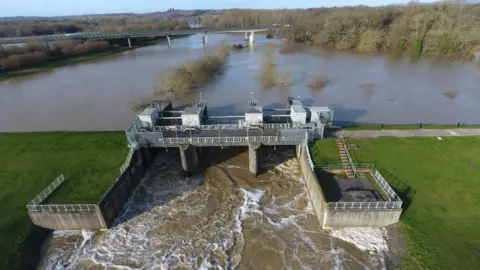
59 62
325 152
440 185
90 161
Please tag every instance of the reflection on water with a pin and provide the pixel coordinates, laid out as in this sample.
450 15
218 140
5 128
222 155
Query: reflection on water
220 219
98 95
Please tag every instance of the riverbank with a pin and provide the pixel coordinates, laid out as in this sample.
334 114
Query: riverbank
444 30
71 60
440 218
90 161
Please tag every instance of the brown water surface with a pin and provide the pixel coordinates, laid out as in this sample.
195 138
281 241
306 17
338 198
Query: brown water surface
98 95
222 218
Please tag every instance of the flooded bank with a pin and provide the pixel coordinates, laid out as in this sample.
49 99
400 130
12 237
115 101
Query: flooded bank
99 95
222 218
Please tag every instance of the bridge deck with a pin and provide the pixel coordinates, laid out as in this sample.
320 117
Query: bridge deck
133 34
219 137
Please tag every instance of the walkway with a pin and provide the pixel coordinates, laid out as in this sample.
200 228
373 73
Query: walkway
410 133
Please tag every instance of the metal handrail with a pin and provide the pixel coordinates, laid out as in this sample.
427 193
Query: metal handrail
348 154
125 164
340 166
383 183
188 140
62 207
47 191
365 205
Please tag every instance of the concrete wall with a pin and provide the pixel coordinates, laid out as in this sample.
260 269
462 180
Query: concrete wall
69 220
329 217
361 217
313 187
111 205
102 215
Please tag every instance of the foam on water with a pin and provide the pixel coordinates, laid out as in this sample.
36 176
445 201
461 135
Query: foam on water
195 223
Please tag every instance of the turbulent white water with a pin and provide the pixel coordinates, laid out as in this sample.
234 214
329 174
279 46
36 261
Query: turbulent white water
222 219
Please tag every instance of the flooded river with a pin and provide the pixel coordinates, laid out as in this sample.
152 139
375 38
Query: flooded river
99 95
222 218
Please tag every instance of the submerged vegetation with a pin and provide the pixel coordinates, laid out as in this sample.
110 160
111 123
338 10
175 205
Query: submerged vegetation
193 74
318 83
268 75
450 30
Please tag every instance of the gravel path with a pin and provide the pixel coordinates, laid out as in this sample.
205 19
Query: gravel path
410 133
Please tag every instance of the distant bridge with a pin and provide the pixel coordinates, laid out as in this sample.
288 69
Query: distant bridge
140 34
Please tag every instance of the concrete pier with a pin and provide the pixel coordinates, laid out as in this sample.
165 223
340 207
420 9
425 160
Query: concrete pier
189 158
129 43
252 37
169 41
205 39
253 157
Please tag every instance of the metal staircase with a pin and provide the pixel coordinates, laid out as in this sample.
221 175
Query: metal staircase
345 156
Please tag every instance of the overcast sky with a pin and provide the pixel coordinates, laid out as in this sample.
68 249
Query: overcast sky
74 7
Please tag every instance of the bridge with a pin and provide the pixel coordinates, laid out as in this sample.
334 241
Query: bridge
158 125
129 35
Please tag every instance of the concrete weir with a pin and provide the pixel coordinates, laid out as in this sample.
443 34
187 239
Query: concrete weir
253 157
158 127
189 158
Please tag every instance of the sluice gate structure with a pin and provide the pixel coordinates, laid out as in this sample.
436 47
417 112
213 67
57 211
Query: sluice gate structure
159 126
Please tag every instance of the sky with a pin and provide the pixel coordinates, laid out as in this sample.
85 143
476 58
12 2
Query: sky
10 8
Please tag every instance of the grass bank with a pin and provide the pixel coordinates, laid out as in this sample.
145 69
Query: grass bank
30 161
439 184
71 60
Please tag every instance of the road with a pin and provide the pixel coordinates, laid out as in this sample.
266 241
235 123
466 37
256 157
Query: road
410 133
135 34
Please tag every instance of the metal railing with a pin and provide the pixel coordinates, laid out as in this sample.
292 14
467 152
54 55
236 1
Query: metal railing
36 206
218 140
381 181
348 155
394 201
62 207
216 126
47 191
365 205
125 164
328 167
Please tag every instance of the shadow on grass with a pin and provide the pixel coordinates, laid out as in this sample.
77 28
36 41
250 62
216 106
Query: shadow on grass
406 192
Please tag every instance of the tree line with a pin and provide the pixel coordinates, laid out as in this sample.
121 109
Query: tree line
34 52
35 27
450 30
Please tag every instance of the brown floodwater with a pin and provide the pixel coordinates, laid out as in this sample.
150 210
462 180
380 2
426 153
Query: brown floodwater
98 95
221 218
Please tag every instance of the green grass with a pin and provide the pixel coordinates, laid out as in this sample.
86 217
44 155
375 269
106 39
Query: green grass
440 184
63 61
325 152
90 161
